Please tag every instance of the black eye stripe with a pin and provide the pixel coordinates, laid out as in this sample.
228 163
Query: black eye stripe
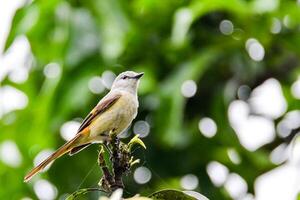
127 77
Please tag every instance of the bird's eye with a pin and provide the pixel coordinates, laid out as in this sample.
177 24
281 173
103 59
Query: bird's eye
124 77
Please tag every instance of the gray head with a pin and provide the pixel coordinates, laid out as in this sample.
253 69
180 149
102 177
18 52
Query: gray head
127 81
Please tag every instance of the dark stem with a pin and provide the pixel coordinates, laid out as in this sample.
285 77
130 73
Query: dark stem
119 158
116 159
107 179
121 161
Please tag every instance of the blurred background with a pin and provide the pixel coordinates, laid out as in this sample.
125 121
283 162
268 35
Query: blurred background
219 102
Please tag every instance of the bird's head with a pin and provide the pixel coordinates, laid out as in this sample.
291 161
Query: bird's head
127 81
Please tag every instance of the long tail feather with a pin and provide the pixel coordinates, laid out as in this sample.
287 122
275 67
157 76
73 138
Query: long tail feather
78 149
61 151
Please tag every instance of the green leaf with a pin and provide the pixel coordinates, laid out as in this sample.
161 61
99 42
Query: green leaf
136 140
81 192
177 195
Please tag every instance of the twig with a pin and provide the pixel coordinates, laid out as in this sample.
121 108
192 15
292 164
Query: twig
107 179
118 169
120 159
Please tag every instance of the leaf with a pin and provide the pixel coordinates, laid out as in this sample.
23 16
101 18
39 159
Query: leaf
136 140
196 195
138 198
177 195
81 192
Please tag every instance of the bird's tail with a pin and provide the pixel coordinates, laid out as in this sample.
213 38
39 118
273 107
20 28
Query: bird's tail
59 152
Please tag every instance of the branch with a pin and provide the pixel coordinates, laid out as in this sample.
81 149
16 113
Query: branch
121 161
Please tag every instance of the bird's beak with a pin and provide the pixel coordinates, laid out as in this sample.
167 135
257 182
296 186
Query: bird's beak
139 75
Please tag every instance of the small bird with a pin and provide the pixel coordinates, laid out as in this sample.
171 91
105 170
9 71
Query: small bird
112 115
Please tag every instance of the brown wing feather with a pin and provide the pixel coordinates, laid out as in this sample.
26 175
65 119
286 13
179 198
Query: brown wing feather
100 108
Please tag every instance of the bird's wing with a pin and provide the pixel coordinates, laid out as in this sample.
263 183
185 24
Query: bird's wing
99 109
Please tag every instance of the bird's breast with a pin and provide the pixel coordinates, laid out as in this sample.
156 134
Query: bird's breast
116 118
127 112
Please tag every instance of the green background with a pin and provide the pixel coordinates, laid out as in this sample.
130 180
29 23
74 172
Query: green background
88 37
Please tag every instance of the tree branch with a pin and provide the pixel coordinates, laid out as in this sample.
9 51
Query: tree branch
121 161
120 158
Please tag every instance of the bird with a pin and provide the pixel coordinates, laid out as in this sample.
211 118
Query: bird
112 115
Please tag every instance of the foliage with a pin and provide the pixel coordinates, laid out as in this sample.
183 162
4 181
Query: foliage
172 194
171 41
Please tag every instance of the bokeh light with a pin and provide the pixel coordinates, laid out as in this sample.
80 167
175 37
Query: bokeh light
116 195
243 92
255 132
142 175
252 131
189 182
125 134
236 186
45 190
208 127
142 128
19 76
17 61
293 119
10 154
238 112
69 129
294 153
276 26
217 173
41 156
52 70
95 85
226 27
279 154
287 22
267 99
247 196
255 49
188 88
282 129
11 99
277 184
108 78
295 89
234 156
